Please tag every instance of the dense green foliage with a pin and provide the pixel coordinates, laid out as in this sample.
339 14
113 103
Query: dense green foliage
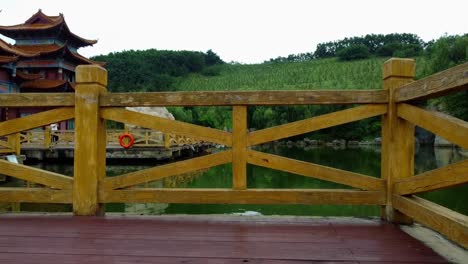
396 45
442 54
154 70
353 52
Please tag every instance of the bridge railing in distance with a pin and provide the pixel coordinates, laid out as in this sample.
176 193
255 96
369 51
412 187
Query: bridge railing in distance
91 105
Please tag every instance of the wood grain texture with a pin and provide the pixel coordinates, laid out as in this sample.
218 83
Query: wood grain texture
31 239
239 147
37 99
448 176
315 123
450 223
167 126
205 98
250 196
315 171
34 195
439 84
90 140
395 146
452 129
163 171
36 120
35 175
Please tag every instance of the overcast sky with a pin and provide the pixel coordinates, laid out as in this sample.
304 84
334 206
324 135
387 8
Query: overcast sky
246 31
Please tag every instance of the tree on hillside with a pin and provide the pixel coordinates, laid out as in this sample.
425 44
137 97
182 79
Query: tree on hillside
446 52
354 52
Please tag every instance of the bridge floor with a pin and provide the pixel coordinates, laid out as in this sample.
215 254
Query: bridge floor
176 239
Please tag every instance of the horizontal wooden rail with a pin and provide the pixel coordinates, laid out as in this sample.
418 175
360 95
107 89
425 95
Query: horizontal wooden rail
167 126
315 171
315 123
448 81
21 100
453 129
34 195
163 171
448 222
245 98
250 196
451 175
36 120
35 175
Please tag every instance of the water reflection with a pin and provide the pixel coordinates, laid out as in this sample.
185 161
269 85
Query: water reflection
361 160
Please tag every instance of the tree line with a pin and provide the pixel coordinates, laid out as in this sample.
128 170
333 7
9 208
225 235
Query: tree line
155 70
397 45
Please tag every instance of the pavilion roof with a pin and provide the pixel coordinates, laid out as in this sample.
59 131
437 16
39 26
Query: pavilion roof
44 84
42 22
28 76
7 59
15 51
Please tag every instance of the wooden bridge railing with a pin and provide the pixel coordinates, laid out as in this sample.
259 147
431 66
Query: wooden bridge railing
66 138
91 105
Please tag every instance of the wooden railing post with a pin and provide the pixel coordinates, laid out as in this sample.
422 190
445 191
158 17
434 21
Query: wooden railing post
14 140
397 135
90 139
47 137
239 147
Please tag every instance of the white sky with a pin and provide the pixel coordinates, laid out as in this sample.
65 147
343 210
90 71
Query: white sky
246 31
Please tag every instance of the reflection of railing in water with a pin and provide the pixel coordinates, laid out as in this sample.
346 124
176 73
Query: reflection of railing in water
66 138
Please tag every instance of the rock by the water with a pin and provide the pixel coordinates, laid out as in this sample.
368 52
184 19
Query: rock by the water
154 111
442 142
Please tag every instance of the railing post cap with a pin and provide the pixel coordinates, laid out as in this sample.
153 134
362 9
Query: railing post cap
399 67
91 74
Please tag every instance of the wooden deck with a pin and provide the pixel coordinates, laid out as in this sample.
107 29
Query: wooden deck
176 239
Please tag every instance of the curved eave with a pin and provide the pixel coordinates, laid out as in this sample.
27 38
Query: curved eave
72 55
40 48
28 76
15 51
42 16
7 59
42 84
55 23
84 59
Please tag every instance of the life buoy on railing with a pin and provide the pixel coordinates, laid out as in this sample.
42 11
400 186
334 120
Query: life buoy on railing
126 140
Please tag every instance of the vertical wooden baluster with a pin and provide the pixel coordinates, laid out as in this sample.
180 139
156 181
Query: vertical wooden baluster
397 135
90 139
239 147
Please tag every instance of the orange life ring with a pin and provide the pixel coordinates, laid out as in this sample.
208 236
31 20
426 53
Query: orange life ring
126 140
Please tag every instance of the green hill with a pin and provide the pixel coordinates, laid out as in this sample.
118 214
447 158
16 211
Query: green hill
154 70
316 74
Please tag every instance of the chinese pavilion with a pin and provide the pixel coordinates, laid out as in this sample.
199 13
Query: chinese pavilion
43 59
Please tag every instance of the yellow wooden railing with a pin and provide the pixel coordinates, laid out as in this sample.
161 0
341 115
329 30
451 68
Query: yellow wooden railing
91 105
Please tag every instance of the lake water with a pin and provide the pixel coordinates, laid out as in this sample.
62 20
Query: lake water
360 160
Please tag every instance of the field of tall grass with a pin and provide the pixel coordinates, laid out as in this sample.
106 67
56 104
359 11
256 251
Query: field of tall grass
317 74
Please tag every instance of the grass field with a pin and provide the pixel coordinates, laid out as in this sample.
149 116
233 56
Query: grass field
317 74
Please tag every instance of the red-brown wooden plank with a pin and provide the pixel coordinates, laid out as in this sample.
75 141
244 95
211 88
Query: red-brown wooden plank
65 239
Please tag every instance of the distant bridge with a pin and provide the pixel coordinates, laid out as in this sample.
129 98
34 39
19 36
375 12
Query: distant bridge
148 143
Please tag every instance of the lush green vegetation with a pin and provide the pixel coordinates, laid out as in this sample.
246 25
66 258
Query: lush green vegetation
396 45
442 54
153 70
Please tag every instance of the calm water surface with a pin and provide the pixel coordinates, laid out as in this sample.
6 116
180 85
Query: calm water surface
365 161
